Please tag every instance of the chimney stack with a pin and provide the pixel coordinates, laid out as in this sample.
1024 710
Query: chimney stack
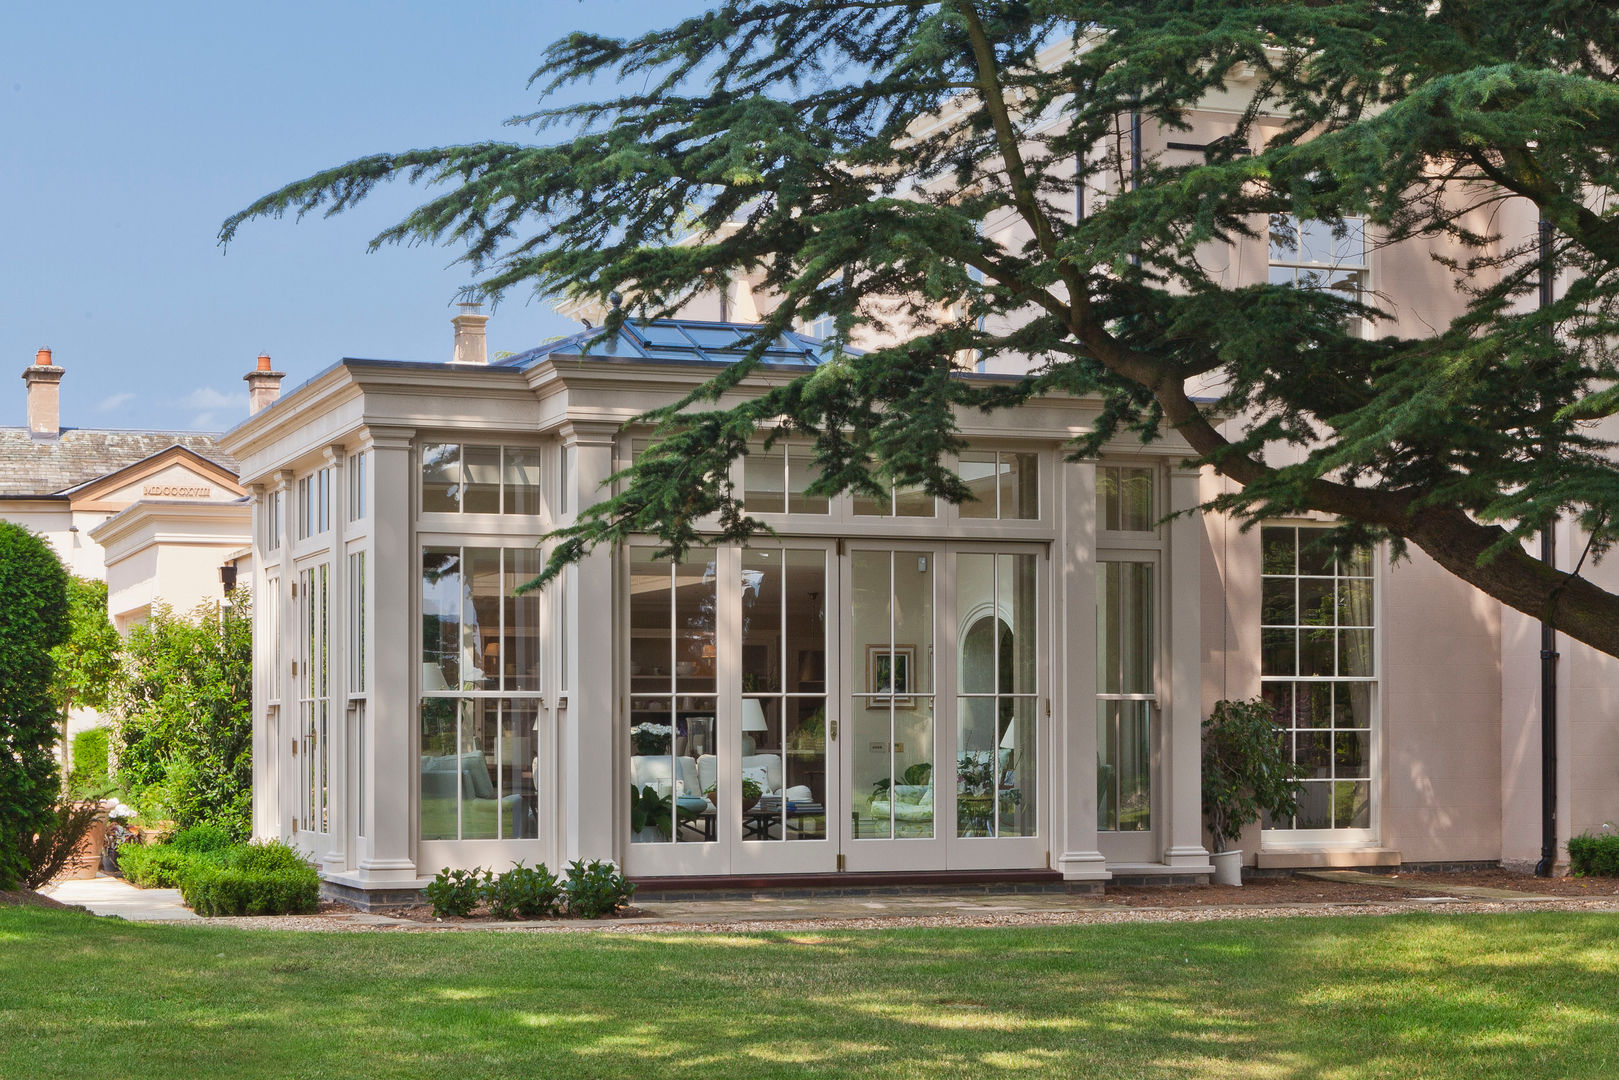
44 381
263 385
470 346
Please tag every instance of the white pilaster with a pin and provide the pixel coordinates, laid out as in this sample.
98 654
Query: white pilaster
391 752
1185 713
1074 658
590 806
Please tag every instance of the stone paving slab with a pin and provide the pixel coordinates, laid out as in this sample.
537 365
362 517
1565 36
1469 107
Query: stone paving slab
1428 888
115 896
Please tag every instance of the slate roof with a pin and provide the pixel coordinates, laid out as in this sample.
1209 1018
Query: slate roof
30 466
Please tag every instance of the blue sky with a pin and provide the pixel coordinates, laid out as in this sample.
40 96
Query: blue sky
129 132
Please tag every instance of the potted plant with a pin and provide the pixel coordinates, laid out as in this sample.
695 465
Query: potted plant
1246 774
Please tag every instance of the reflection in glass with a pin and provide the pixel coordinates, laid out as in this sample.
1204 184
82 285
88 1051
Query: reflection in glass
480 472
764 481
441 478
520 474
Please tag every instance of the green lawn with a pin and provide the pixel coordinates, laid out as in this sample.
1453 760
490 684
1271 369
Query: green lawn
1522 996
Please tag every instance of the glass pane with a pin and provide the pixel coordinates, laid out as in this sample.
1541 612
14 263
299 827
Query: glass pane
1316 604
1316 648
1354 602
805 778
1315 554
1358 564
1107 498
441 618
1314 709
873 505
1352 705
1018 762
764 813
805 650
1314 753
976 653
1315 806
651 651
870 577
440 780
1018 648
1135 500
801 473
977 471
694 621
1352 804
1107 765
1355 653
762 578
1278 549
1280 698
480 655
913 502
1136 627
519 769
480 469
521 479
1284 238
1280 605
1020 486
764 486
913 622
1107 628
1135 766
1278 652
977 739
522 649
441 478
652 769
480 804
1351 754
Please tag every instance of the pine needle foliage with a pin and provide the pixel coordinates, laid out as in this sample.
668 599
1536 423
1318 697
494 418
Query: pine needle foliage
854 154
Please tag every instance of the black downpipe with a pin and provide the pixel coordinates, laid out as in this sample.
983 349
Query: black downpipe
1548 644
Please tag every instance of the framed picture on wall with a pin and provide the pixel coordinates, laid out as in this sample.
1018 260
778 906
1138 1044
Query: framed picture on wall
890 667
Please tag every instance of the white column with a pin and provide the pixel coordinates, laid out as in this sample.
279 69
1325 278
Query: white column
1074 659
590 805
1185 712
337 672
286 730
391 753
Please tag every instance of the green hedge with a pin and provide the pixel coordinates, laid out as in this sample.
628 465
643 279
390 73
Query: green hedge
216 878
232 891
33 620
90 773
1594 856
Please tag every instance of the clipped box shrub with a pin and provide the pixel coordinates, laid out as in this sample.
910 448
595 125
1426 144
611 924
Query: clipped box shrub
233 891
1594 856
455 893
164 866
203 839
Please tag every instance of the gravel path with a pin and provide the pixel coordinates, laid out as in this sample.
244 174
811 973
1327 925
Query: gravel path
1080 917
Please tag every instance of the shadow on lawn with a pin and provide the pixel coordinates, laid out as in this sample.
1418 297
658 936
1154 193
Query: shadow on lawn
1476 996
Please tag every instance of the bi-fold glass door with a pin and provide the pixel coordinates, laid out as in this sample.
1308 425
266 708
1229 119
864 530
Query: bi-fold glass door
945 752
729 724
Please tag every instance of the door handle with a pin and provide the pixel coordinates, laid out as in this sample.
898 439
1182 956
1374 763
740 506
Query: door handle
834 731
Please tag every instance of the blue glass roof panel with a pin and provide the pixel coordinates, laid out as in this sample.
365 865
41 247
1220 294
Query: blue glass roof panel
684 340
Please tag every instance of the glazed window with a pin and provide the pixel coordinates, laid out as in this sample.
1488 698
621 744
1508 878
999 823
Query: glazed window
461 478
1318 671
775 481
1005 485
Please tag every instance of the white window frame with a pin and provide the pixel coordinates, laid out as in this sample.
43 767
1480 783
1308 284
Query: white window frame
1333 837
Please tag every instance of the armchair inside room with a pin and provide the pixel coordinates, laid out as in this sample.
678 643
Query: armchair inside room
764 769
480 807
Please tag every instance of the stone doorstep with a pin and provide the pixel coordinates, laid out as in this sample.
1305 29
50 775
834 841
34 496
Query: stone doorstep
1428 889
